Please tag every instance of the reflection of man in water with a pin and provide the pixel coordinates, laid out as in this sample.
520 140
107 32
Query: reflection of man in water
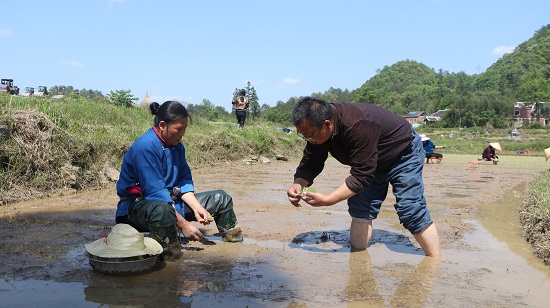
361 285
411 291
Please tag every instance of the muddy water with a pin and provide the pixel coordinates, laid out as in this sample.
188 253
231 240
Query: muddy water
293 257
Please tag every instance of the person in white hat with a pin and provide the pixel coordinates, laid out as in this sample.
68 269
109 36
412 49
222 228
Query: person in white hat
429 147
156 189
489 154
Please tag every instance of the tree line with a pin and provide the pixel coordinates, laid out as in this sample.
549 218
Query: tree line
485 99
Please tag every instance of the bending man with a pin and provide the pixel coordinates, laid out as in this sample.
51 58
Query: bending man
381 148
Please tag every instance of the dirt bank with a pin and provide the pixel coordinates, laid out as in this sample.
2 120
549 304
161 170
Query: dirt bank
293 257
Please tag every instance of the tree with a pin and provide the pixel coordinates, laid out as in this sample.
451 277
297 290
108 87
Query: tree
61 90
282 112
207 110
90 94
365 94
122 98
254 105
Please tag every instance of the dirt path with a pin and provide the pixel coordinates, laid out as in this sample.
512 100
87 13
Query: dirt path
293 257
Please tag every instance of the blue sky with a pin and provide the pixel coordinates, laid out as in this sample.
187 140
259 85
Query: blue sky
195 50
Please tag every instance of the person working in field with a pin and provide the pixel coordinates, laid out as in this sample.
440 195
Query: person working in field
381 148
489 154
156 189
429 147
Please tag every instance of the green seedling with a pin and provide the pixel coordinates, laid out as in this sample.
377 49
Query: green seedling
305 189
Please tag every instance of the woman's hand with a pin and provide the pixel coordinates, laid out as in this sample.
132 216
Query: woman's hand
190 232
202 215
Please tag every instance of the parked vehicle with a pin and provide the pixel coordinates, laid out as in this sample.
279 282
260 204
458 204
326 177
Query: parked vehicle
29 91
42 91
6 86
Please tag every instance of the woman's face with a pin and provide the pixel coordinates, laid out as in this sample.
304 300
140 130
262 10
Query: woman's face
173 133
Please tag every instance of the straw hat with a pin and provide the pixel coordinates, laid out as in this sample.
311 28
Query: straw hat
547 153
495 145
124 241
424 137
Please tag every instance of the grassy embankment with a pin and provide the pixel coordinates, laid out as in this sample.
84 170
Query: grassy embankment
67 144
535 216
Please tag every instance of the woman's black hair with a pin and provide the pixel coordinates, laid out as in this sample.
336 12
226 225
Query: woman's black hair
242 92
168 112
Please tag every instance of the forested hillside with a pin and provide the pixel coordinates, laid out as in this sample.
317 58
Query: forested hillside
486 99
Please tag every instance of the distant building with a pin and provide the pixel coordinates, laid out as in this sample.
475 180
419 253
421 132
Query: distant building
415 117
422 117
435 117
525 114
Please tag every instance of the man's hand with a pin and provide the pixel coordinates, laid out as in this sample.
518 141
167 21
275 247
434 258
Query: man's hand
315 199
295 194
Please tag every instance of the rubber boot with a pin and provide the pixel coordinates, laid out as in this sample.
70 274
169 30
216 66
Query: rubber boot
168 239
220 205
234 235
228 227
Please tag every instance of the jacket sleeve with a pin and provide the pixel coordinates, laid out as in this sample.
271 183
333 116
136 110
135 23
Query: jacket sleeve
185 178
312 163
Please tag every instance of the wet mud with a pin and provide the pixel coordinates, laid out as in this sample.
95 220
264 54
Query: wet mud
292 257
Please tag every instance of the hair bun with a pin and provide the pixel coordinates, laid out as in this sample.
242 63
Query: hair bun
154 107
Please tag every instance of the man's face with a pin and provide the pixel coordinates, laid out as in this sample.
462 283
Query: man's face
313 134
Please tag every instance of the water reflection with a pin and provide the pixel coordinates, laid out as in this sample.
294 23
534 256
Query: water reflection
411 291
129 296
169 287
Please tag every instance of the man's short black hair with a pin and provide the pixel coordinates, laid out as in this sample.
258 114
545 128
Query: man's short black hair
315 110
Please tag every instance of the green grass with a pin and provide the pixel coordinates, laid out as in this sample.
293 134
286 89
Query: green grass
535 216
473 141
53 137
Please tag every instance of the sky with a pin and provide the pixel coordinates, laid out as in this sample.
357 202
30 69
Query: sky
195 50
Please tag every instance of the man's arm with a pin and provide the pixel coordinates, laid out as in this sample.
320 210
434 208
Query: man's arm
319 199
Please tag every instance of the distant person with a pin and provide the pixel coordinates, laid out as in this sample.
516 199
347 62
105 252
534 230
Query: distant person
381 148
240 105
156 189
429 147
489 154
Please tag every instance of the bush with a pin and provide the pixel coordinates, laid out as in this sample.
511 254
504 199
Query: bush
534 216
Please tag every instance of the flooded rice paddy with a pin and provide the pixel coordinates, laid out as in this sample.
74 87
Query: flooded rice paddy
292 257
